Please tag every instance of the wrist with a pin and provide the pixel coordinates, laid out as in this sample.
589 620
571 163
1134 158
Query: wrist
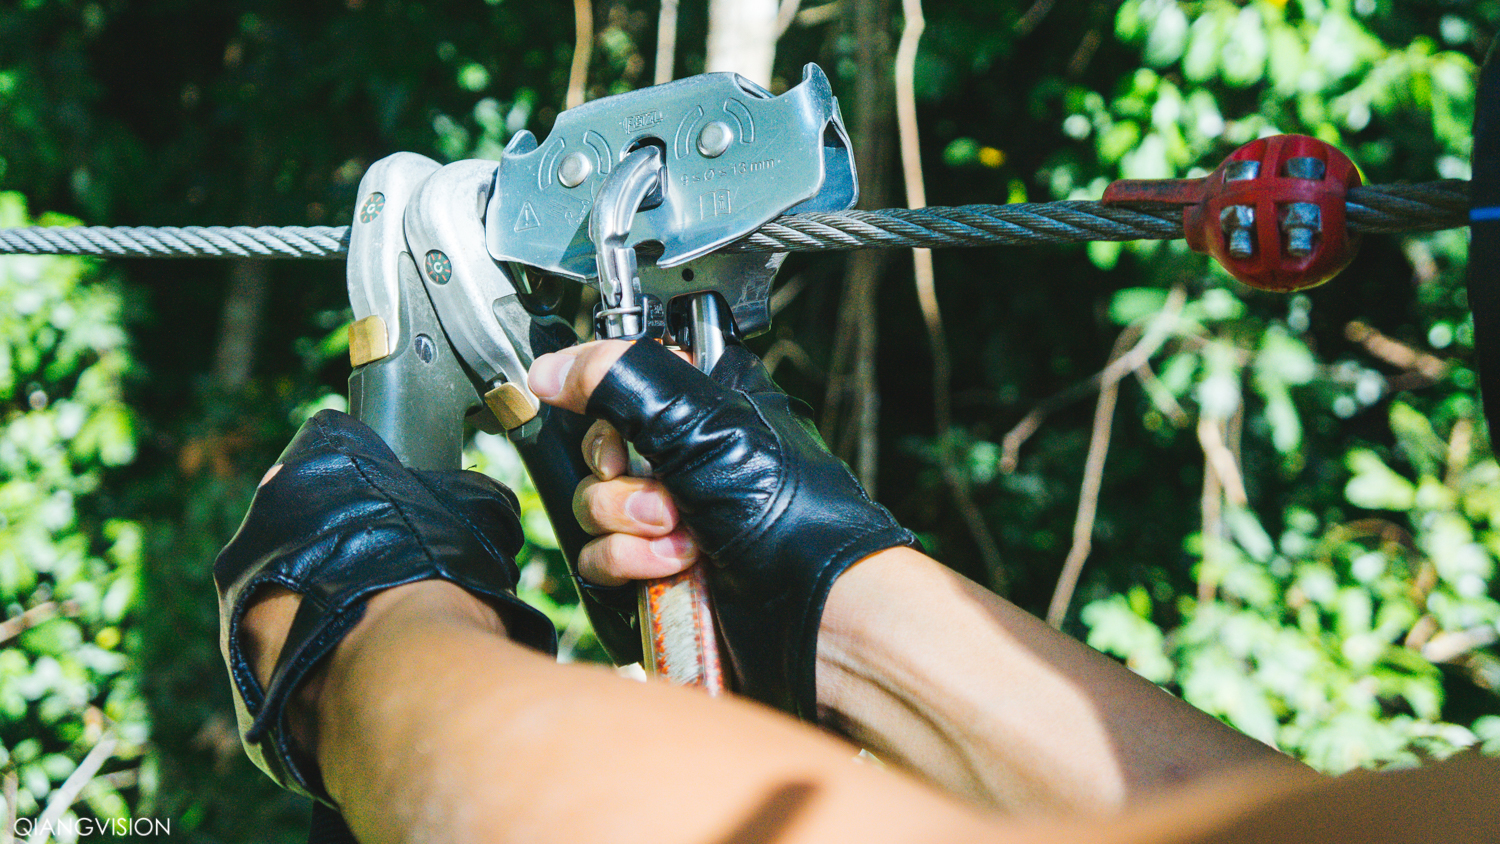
268 621
855 621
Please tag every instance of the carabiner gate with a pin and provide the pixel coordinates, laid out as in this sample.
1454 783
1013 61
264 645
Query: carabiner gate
623 312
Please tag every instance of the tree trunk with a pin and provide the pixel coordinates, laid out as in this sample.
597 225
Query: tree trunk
851 408
239 324
249 283
742 38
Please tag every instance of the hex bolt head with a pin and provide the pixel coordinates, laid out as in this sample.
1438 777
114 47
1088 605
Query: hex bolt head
1238 171
575 167
1238 222
1301 221
1306 167
715 139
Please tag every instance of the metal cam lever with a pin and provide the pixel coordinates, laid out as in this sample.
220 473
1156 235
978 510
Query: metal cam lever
442 330
677 630
407 383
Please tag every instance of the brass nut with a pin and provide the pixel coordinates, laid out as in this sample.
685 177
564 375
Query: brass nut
368 340
513 405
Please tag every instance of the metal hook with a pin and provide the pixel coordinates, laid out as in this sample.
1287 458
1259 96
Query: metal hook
620 197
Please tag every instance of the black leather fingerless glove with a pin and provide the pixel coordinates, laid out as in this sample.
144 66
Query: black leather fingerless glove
342 520
780 516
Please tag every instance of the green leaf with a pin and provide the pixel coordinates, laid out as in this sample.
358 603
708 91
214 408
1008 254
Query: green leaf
1249 534
1286 356
1206 45
961 152
57 637
1167 36
1135 303
1375 486
1104 253
1487 728
1246 48
1115 628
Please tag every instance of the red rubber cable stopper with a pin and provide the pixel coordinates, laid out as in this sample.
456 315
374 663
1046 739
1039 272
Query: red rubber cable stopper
1272 214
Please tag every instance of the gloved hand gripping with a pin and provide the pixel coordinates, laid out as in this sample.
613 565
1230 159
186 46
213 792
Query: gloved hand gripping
341 521
779 515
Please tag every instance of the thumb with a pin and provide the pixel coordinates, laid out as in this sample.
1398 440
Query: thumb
567 378
651 391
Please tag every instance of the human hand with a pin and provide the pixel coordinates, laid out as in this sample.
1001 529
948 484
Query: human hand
339 521
640 534
779 516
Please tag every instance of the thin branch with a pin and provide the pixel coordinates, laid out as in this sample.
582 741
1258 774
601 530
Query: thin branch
785 14
1423 581
127 778
1420 632
1447 647
789 291
937 340
666 41
820 14
1396 353
1087 47
916 197
785 349
1211 438
1482 669
1028 22
979 529
1211 509
1460 446
67 793
1152 338
1010 444
1121 364
924 277
1088 503
12 788
839 367
1160 395
852 386
13 627
868 455
1234 436
583 52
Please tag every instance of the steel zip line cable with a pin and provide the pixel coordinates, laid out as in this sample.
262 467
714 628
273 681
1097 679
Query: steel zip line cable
1429 206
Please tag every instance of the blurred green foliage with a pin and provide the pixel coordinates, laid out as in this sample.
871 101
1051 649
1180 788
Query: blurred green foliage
1296 530
1330 639
68 578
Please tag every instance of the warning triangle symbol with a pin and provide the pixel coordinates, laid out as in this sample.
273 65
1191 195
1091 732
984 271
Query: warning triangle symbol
527 219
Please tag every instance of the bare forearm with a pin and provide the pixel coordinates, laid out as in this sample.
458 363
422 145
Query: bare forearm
432 727
942 677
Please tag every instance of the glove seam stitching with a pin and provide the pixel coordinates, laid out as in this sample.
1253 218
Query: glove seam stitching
400 511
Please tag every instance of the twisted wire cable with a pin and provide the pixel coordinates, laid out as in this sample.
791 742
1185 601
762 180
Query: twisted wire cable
1425 207
1429 206
172 242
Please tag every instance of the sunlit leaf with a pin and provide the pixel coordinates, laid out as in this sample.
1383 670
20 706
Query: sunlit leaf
1375 486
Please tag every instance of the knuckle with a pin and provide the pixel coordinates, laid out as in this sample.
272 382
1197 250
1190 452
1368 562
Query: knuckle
584 497
597 361
621 556
594 564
